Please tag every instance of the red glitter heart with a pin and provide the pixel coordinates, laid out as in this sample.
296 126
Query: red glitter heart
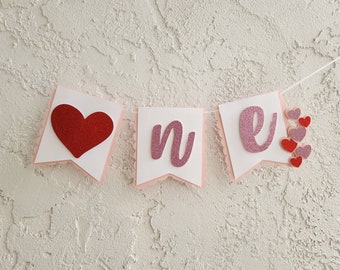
77 133
288 145
305 121
296 162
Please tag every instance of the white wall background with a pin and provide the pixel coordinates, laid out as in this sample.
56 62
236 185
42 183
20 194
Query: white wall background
168 53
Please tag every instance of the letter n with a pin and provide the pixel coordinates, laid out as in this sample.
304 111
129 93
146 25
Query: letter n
158 143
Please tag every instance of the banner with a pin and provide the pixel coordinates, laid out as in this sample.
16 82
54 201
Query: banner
81 129
253 129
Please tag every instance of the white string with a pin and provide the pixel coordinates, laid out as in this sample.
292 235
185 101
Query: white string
131 109
310 75
292 86
207 112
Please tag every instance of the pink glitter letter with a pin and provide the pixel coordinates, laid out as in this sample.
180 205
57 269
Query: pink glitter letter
248 132
158 144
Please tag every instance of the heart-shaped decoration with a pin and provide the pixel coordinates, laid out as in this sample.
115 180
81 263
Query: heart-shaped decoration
305 121
294 113
288 145
77 133
297 134
296 162
304 151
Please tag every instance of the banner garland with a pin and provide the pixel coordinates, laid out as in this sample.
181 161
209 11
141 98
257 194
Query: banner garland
81 129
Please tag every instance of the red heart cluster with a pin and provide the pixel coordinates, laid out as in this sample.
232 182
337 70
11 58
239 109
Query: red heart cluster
296 135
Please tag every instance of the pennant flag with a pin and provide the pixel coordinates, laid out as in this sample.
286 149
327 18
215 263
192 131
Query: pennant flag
253 129
169 142
79 128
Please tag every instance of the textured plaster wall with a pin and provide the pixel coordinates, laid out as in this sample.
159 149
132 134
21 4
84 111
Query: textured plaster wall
168 53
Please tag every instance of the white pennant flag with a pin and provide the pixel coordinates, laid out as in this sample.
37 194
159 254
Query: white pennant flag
79 128
169 142
253 129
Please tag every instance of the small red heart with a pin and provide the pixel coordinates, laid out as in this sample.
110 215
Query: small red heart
305 121
296 162
288 145
77 133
